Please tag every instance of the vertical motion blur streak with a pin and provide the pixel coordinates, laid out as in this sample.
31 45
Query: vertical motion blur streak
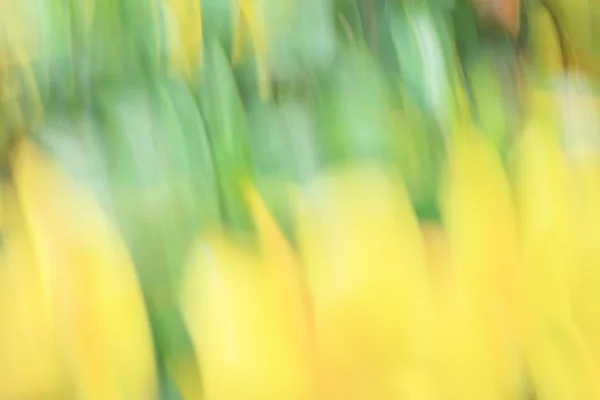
299 200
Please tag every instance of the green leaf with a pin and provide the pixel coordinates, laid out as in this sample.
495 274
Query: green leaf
151 185
354 110
227 127
425 54
305 39
278 156
198 148
495 98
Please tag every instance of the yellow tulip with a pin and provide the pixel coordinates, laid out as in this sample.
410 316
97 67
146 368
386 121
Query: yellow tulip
250 20
559 358
585 180
103 326
482 233
366 268
247 315
30 362
184 24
